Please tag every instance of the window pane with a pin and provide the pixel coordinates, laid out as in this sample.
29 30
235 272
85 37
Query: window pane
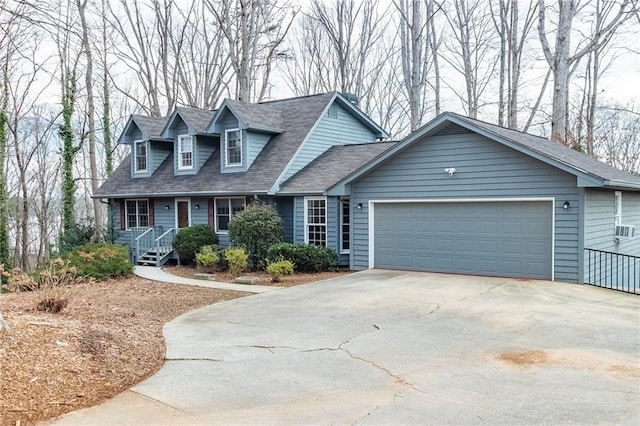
223 223
346 226
186 152
316 222
234 147
141 156
237 205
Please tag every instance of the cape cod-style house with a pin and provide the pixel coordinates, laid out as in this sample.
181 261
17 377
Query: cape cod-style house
458 195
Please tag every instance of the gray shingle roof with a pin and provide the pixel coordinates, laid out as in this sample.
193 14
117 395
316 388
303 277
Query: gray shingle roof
574 159
333 166
152 126
264 115
197 119
298 117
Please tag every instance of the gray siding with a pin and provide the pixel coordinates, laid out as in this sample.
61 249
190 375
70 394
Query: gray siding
207 145
134 135
333 222
343 130
599 221
179 127
599 234
485 169
284 205
157 153
254 143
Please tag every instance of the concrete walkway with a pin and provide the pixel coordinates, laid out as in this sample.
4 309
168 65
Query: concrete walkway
389 347
157 274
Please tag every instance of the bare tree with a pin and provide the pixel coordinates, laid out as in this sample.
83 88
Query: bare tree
513 38
617 137
416 46
563 62
254 31
473 53
94 176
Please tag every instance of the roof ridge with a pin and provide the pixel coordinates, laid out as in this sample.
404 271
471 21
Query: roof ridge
501 127
293 98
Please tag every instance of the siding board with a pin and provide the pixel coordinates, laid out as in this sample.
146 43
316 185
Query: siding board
342 130
485 169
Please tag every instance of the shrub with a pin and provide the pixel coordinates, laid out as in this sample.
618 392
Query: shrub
278 269
54 284
207 259
190 240
81 233
100 261
306 257
255 230
237 260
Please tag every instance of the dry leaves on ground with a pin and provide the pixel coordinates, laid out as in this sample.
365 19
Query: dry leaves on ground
108 338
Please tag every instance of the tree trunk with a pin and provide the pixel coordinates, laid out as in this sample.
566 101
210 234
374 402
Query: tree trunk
88 79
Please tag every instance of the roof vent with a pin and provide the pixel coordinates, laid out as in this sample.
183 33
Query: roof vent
351 98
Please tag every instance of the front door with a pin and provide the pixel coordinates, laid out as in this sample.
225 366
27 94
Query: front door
182 213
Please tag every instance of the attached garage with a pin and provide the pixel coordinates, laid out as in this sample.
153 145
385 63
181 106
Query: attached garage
512 238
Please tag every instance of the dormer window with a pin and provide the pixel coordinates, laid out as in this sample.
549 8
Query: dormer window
185 152
233 147
140 150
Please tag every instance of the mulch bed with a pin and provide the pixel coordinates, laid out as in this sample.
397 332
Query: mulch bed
108 338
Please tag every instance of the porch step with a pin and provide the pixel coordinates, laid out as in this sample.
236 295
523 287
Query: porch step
151 257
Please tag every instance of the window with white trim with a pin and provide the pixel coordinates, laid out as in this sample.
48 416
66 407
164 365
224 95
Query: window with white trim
617 208
185 152
233 147
137 213
140 150
225 208
315 221
345 226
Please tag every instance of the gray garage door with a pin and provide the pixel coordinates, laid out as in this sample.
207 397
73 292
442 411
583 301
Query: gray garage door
511 239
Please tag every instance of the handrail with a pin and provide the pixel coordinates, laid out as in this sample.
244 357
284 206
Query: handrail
164 245
616 271
144 242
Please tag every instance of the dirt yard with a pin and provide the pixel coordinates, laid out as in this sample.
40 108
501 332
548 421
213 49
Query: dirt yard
108 338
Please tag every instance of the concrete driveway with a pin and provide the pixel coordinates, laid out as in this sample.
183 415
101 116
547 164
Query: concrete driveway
389 347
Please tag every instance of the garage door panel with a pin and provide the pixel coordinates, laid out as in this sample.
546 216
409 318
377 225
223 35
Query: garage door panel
488 238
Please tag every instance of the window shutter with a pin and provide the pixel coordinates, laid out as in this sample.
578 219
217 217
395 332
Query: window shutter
151 205
123 215
211 207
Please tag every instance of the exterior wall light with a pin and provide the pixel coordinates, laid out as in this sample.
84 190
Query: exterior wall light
166 207
359 206
450 170
197 206
566 205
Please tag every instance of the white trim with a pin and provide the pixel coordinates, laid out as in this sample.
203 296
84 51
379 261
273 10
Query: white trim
326 219
180 152
135 156
126 213
175 203
226 147
215 211
341 204
371 218
617 200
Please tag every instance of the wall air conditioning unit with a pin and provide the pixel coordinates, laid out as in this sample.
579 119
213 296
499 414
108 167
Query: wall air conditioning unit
625 232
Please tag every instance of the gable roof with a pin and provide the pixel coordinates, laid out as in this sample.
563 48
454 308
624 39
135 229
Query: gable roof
264 116
151 127
196 119
331 167
590 172
299 115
